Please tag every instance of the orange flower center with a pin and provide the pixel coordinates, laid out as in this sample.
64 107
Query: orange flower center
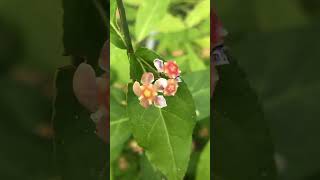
148 92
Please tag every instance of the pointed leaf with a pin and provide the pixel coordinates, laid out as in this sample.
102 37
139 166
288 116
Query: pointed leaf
165 134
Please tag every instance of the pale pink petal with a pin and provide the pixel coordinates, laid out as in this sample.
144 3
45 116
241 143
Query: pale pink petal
144 103
136 88
171 88
160 102
158 64
85 87
161 84
147 78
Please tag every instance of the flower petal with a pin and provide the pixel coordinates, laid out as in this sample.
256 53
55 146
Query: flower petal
85 87
160 102
144 103
136 88
161 84
158 63
171 88
147 78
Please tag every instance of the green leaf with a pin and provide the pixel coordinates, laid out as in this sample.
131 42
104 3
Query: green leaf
149 14
242 140
116 37
147 171
136 68
203 169
195 63
200 12
176 24
165 134
119 63
119 123
113 9
199 86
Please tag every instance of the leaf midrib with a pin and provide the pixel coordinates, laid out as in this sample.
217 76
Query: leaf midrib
169 142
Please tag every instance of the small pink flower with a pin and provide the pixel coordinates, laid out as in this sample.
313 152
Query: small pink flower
147 92
171 88
170 68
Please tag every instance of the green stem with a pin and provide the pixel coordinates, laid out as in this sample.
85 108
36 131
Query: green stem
124 26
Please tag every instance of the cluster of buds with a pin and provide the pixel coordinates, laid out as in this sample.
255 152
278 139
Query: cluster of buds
149 89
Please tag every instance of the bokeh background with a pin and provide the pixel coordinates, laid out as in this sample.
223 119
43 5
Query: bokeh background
276 43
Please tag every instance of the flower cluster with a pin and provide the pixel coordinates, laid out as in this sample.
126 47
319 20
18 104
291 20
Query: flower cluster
149 89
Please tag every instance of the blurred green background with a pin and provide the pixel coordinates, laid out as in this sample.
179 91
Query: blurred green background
31 49
277 44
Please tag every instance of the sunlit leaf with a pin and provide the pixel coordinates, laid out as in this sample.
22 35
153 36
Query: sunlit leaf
203 169
119 122
199 13
149 14
119 63
176 24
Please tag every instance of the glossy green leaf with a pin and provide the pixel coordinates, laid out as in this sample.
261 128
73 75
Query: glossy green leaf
116 37
199 86
119 122
203 169
150 13
199 13
165 134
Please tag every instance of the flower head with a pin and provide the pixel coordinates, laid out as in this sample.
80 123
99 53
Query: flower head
171 88
148 92
170 68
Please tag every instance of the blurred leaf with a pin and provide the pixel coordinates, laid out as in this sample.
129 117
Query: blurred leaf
116 37
283 71
242 140
133 2
119 63
199 86
149 14
119 123
195 63
113 9
165 134
203 170
203 42
199 13
176 24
